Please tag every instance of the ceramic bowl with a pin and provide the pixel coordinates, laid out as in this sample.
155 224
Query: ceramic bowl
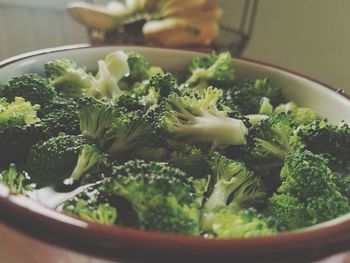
30 232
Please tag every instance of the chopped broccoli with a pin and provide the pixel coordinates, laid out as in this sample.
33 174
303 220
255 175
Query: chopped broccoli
75 82
17 181
333 141
51 162
191 120
139 67
248 95
161 196
242 224
115 130
89 206
300 115
32 87
308 194
234 187
61 115
190 159
20 128
269 142
216 70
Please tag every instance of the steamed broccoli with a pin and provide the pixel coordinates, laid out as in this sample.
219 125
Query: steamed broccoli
242 224
248 96
61 115
139 67
32 87
89 206
75 82
308 194
269 142
235 188
161 196
20 128
115 130
51 162
299 115
333 141
191 120
216 70
17 181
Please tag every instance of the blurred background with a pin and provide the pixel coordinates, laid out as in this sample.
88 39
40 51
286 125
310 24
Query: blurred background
311 37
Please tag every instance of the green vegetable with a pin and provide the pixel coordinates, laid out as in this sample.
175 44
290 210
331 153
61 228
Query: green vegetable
17 181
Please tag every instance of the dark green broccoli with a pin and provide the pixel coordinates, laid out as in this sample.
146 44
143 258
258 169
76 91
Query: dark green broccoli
89 206
51 162
190 159
216 69
198 121
17 181
115 130
20 128
61 115
31 87
242 224
162 196
308 194
139 67
333 141
234 187
248 95
299 115
269 142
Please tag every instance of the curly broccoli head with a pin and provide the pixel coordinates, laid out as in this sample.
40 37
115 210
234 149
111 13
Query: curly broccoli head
17 181
162 196
61 115
270 141
248 96
89 206
308 188
20 128
192 120
299 115
63 157
139 67
333 141
32 87
243 224
217 70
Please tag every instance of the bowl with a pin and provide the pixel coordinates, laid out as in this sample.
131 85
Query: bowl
31 232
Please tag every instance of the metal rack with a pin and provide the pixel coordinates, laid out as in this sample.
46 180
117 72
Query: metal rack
231 38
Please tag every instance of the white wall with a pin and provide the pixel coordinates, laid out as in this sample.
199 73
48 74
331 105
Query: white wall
309 36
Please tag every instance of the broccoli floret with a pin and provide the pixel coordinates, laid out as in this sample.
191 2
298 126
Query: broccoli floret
61 115
139 67
115 130
75 82
269 142
161 196
89 206
216 70
190 159
192 120
17 181
150 153
234 187
333 141
299 115
20 128
242 224
31 87
51 162
308 194
265 106
248 95
68 79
